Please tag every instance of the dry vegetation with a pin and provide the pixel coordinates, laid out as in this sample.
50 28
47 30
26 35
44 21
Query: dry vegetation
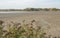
18 30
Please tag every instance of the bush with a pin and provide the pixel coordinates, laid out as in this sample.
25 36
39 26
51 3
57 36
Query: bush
1 22
23 31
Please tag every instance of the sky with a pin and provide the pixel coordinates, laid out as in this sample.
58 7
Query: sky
21 4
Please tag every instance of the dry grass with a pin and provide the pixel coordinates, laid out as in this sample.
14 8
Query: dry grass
18 30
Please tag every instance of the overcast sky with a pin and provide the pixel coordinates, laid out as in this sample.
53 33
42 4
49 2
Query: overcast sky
14 4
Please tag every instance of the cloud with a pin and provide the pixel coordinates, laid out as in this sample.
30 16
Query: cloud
16 3
29 3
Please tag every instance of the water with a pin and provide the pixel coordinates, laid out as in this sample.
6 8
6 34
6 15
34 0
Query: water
16 13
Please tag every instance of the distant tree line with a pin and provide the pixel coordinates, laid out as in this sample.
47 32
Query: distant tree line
32 9
41 9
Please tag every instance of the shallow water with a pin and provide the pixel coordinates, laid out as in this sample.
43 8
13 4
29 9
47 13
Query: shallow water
18 13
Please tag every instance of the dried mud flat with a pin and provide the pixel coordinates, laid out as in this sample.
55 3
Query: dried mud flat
48 20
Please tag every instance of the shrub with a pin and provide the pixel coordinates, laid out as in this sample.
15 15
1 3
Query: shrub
1 22
23 31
